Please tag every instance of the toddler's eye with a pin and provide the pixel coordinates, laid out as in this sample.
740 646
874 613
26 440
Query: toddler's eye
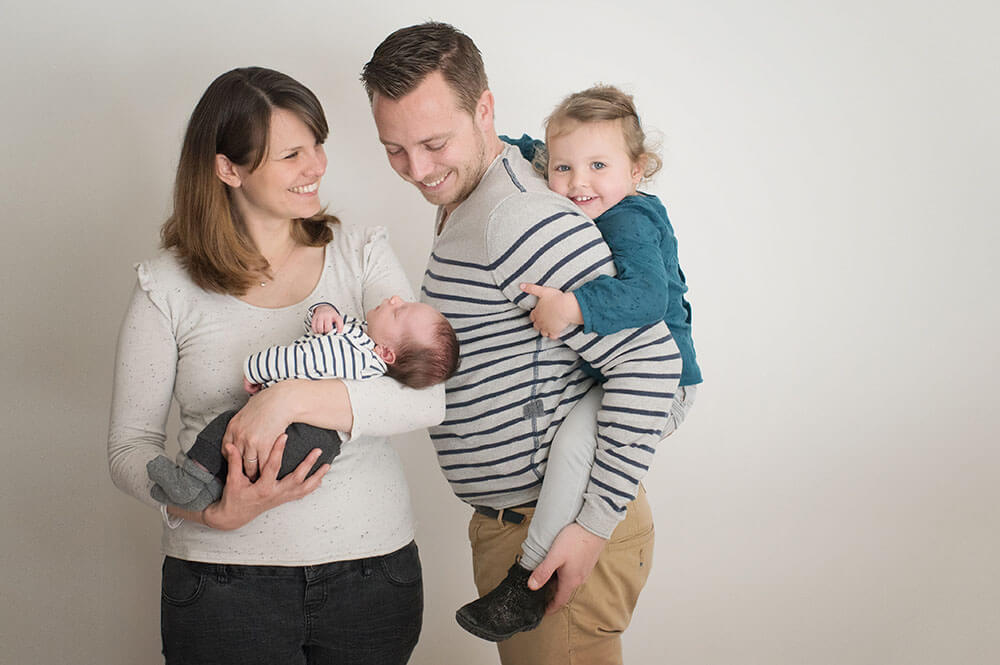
598 165
561 168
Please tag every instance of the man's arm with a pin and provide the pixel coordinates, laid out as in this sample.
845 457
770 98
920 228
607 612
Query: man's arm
543 241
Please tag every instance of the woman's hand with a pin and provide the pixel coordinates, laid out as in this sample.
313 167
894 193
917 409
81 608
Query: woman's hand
555 310
243 500
255 428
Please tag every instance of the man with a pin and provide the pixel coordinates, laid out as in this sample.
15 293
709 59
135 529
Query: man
498 226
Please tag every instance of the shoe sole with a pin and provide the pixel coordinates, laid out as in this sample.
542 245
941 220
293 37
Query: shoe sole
486 635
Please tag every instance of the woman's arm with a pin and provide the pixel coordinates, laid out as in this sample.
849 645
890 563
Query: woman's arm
354 408
145 369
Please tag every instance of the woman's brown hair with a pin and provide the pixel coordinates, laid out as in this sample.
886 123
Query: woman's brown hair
233 118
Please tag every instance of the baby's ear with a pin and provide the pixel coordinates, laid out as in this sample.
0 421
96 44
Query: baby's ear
385 353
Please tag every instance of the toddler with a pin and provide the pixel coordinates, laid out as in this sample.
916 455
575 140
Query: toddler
409 341
596 156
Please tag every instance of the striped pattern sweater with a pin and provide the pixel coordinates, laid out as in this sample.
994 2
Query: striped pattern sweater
346 355
514 387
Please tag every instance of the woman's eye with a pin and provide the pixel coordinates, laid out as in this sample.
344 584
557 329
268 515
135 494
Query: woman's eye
292 155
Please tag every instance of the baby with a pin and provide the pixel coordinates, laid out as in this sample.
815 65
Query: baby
409 341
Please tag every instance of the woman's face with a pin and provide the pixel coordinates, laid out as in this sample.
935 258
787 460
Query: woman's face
286 184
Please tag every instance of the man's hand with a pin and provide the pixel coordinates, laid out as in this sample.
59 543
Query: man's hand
555 310
326 318
573 554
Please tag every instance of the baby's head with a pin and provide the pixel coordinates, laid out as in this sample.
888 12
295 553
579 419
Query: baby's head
416 342
597 152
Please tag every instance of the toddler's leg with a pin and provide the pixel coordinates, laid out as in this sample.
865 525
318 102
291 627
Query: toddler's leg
512 607
567 474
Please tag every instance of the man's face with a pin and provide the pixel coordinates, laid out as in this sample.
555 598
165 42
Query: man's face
432 142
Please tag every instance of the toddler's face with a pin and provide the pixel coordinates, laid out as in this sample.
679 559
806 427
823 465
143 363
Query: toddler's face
395 320
589 164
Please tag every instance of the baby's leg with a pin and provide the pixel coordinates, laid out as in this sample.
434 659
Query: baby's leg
567 474
201 473
302 440
181 484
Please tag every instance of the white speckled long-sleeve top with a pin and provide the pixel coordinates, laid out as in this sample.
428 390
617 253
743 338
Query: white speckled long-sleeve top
179 341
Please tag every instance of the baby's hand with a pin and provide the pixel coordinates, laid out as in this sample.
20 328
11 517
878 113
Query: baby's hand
325 318
555 310
252 388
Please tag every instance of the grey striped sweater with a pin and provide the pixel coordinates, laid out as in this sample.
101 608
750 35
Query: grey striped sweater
514 387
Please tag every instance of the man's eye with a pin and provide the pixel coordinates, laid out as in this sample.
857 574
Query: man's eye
598 165
436 146
393 150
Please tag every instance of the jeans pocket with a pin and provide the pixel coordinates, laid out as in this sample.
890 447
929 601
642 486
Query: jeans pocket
182 583
402 567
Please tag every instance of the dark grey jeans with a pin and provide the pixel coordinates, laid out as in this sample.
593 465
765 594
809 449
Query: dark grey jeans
361 612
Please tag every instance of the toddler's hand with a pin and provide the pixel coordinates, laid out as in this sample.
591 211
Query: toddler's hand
555 310
325 318
252 388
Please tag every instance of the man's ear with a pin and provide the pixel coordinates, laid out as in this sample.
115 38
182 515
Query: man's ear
484 110
385 353
226 171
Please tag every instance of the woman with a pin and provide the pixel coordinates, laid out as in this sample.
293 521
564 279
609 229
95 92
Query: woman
260 576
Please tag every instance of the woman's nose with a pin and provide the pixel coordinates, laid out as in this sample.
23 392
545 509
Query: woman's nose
317 165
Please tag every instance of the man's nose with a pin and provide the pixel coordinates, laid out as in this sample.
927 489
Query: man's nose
419 165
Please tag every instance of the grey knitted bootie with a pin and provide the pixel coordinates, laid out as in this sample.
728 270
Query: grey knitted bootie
507 610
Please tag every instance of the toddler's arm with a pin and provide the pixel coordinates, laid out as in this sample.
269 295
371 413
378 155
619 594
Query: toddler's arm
556 310
637 296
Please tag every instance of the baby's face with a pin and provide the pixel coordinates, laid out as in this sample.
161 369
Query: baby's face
590 165
396 320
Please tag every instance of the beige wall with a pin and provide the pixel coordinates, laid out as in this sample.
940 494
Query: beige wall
832 177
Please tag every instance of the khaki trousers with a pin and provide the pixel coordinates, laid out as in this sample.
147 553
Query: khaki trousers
588 629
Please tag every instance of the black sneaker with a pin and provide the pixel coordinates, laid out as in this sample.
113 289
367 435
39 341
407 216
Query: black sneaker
507 610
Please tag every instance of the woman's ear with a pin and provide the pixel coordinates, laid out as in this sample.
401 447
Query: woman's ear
226 171
385 353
